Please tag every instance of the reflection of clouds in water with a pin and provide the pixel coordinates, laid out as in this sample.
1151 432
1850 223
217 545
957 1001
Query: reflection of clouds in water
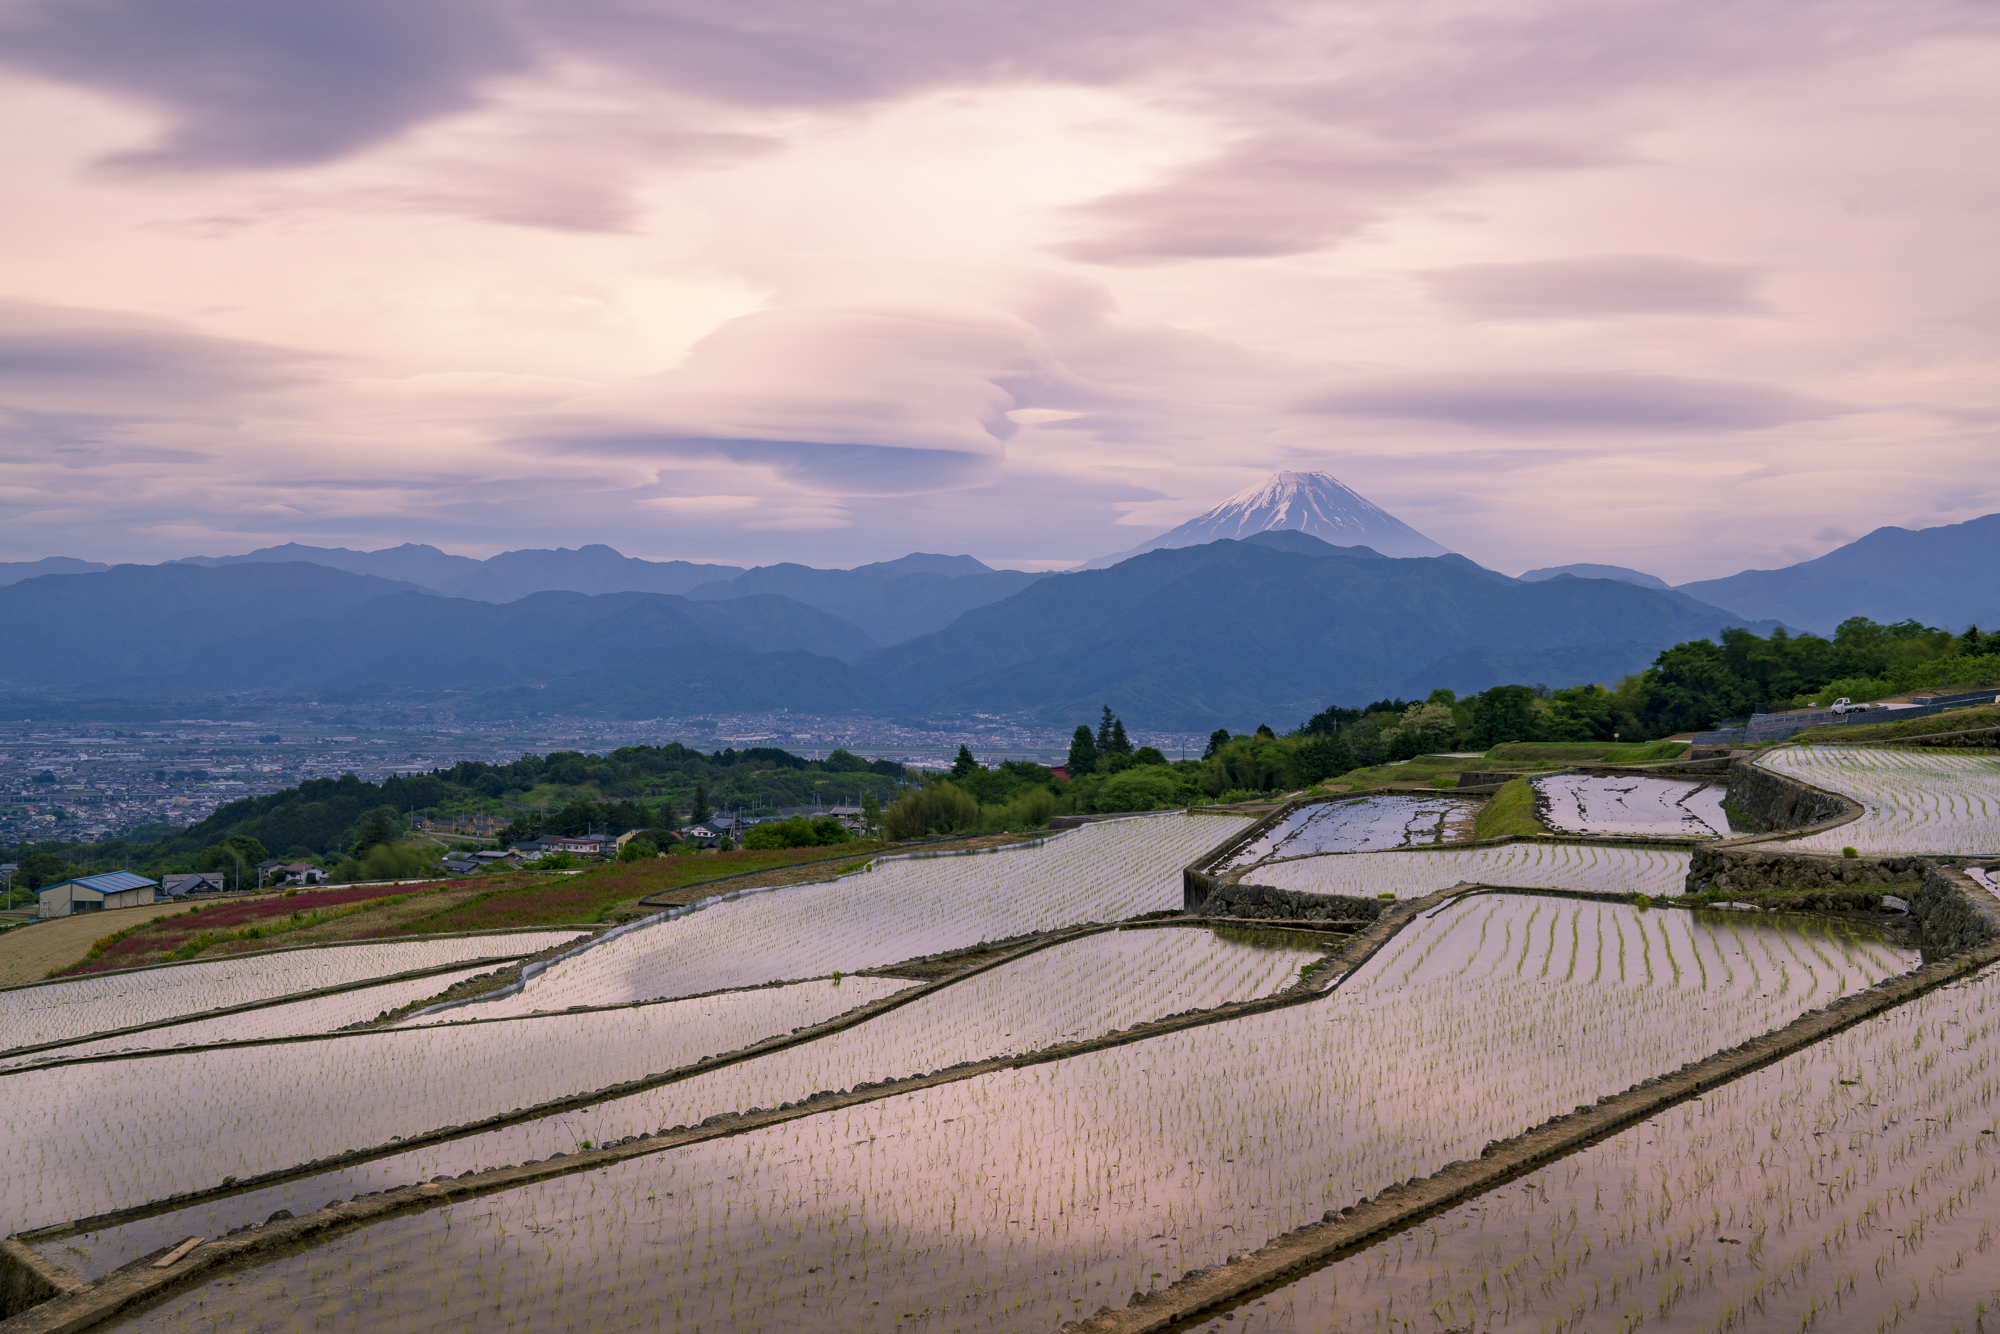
1385 820
1600 804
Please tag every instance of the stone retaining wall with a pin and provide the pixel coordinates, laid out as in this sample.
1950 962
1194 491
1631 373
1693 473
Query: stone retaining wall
1954 911
1264 901
1777 802
1751 870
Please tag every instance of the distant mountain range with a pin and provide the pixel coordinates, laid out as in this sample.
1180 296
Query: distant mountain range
1315 503
1947 577
1230 633
1268 607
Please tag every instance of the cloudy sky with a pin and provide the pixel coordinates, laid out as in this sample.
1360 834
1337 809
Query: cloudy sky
1665 283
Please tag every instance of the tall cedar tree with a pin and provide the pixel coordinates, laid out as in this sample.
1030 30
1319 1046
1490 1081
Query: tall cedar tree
699 813
1104 732
964 766
1120 745
1082 752
1216 741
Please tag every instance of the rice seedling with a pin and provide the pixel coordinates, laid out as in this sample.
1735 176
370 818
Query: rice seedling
1912 801
1847 1187
900 909
1658 872
53 1011
1366 824
1077 989
321 1014
1030 1195
97 1136
1631 804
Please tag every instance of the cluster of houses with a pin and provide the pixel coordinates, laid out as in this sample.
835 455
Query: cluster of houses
129 889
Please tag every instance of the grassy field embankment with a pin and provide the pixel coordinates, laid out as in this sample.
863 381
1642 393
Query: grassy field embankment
1588 752
1957 720
1509 812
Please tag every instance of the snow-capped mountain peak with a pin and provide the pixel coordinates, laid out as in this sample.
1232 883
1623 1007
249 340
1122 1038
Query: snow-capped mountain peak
1316 503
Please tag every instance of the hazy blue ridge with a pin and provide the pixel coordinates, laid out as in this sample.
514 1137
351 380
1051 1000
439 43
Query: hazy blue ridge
1947 577
891 600
1275 627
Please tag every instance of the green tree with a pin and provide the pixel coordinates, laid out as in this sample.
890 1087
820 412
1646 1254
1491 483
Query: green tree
1082 753
965 765
1120 743
1104 732
1504 713
380 828
1220 738
699 812
871 814
936 808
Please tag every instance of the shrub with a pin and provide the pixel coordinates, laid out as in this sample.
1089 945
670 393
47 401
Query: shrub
797 832
937 808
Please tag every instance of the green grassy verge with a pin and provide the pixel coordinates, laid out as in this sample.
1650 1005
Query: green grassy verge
1509 812
593 895
1596 752
1958 720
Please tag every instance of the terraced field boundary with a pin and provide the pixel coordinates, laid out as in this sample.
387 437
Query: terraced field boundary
1204 1293
292 949
67 1304
248 1007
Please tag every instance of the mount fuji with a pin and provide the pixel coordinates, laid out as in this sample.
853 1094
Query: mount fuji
1310 502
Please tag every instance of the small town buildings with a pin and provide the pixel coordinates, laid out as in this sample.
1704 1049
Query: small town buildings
302 873
182 884
94 893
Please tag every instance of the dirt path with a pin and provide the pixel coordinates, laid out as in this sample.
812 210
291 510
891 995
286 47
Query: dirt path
27 953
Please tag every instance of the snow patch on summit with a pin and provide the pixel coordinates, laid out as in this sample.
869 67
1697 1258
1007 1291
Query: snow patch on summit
1315 503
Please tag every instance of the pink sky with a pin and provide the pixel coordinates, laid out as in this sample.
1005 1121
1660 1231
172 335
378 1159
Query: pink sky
1682 286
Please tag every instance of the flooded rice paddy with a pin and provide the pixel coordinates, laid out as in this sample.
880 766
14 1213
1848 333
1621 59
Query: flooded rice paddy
102 1135
1027 1196
1850 1188
1077 989
1603 867
1913 801
283 1019
901 909
1631 804
54 1011
1364 824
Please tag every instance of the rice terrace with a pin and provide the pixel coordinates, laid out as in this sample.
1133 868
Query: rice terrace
1688 1042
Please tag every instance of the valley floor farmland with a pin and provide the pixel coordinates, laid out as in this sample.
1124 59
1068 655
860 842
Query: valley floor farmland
1051 1091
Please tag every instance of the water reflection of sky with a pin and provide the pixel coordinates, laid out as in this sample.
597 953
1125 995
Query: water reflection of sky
1365 824
1630 804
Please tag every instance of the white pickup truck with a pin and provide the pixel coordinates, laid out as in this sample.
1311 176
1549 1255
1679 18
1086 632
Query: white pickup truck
1844 705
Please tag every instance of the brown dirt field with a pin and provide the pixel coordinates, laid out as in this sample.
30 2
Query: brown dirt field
27 953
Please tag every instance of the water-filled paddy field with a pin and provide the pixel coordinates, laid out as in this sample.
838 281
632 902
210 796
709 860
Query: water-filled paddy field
1363 824
55 1011
1600 867
1854 1186
1066 1148
1913 801
1009 1199
1631 804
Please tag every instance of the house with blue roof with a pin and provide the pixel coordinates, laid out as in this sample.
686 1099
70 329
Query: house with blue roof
94 893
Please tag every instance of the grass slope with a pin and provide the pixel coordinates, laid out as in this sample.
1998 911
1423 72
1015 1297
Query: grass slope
1957 720
1509 812
1588 751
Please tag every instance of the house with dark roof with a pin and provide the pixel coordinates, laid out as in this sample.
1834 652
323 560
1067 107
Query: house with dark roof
94 893
182 884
